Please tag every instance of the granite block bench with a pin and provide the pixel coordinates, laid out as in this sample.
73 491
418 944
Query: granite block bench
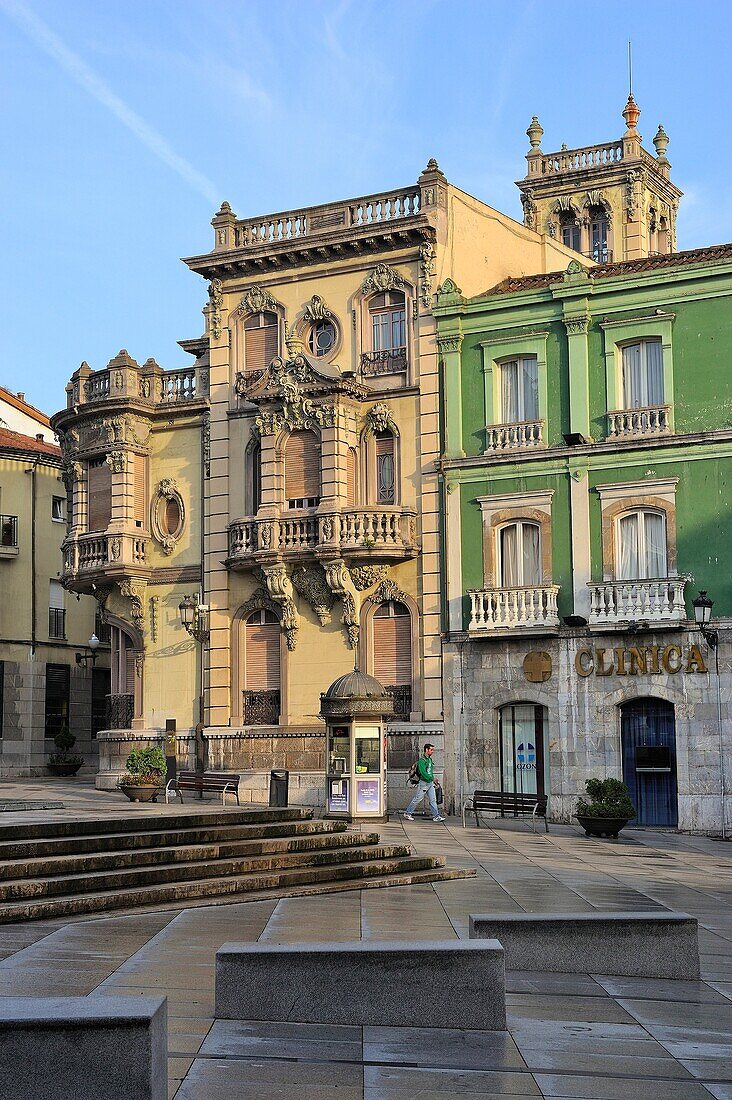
98 1048
456 983
653 944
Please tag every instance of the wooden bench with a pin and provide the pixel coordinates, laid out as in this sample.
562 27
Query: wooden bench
222 783
507 804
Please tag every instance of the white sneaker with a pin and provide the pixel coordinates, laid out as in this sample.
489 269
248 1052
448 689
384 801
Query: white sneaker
436 819
407 817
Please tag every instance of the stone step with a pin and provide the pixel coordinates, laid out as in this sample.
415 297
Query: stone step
152 822
141 837
288 882
104 860
133 877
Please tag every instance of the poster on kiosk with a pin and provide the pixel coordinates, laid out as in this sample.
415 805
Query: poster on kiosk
356 776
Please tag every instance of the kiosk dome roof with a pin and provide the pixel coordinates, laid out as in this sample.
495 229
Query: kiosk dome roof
355 685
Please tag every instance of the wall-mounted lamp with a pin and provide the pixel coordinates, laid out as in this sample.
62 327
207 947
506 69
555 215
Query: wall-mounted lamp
194 617
84 658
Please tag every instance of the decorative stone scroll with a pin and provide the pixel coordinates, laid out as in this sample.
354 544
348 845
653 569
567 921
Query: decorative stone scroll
379 418
254 300
311 583
366 576
316 310
426 272
279 587
341 585
134 592
216 300
387 590
381 279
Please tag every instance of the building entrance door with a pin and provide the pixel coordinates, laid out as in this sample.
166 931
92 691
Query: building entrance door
648 732
522 748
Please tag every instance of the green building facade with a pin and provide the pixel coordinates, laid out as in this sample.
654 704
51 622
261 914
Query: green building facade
587 462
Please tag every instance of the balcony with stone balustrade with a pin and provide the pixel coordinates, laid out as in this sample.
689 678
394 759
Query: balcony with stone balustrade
640 423
147 385
90 559
524 435
526 610
656 603
360 534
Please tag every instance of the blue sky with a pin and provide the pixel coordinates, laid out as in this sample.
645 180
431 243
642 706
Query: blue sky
124 125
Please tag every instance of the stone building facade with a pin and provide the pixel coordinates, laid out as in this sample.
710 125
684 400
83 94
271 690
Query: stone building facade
587 485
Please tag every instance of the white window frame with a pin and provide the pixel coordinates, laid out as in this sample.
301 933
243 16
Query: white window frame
643 343
640 515
631 330
519 524
62 509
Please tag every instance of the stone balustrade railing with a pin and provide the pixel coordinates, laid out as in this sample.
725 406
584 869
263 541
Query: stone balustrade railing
493 609
651 601
514 437
573 160
362 529
148 384
291 225
650 420
93 552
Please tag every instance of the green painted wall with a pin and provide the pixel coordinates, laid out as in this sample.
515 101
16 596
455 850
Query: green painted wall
702 347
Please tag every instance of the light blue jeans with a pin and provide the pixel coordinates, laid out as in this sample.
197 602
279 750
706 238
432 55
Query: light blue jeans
424 788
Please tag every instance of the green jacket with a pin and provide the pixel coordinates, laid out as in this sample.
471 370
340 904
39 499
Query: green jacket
426 769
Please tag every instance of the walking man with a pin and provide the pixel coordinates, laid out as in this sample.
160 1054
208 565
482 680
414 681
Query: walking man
426 785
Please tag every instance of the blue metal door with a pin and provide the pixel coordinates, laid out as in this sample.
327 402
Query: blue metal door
649 760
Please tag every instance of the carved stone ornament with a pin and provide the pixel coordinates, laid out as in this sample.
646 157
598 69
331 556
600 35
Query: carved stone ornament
388 590
631 198
426 272
260 601
341 585
381 279
310 582
216 300
117 461
115 549
575 326
529 206
134 591
574 267
379 418
255 300
564 205
366 576
166 490
449 344
316 310
206 444
449 289
279 587
551 228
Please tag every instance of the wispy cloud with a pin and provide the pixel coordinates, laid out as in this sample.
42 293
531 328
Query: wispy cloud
42 36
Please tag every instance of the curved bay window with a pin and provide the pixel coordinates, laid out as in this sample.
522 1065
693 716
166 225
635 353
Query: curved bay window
519 555
522 738
388 330
261 341
261 669
641 546
302 470
392 647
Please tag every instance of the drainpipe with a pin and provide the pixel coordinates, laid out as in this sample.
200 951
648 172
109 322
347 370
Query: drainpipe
32 472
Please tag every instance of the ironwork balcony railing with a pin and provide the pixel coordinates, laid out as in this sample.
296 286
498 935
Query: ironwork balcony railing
120 712
496 609
9 535
600 255
261 708
57 622
377 363
653 601
402 696
650 420
514 437
381 532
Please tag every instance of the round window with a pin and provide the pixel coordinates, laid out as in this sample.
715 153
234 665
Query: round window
171 517
322 338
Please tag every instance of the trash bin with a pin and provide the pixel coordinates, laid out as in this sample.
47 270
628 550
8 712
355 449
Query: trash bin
279 781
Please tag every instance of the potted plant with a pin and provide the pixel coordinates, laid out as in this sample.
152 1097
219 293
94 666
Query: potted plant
608 808
64 762
145 775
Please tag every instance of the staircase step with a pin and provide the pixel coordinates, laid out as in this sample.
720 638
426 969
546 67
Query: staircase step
135 877
104 860
99 840
399 871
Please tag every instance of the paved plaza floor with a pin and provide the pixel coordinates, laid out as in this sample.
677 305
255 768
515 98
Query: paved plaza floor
569 1036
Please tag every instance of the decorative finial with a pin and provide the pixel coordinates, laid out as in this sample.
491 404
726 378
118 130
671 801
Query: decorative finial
661 143
631 114
432 165
535 133
225 208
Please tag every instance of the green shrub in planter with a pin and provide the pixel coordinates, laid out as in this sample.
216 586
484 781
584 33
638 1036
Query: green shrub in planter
608 798
65 740
145 767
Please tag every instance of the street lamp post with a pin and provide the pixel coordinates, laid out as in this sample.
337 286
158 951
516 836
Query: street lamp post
93 646
194 618
703 616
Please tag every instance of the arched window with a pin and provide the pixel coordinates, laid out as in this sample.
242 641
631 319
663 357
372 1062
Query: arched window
392 642
641 546
261 341
254 479
519 555
599 231
519 389
385 467
352 477
522 735
261 669
302 470
643 374
570 230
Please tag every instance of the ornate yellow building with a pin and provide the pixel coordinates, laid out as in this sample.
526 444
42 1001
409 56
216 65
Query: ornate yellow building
282 496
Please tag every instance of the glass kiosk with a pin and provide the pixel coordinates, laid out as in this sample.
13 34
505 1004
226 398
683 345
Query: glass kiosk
355 709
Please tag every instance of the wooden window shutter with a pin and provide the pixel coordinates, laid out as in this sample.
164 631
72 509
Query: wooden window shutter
302 467
261 341
352 478
262 643
99 495
129 667
392 631
140 491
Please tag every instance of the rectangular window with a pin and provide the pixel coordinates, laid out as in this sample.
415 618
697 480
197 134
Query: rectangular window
642 546
520 555
385 470
56 611
520 390
99 495
571 237
100 691
643 374
58 680
58 509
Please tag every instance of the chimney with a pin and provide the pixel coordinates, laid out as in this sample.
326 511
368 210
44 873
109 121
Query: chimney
39 437
20 396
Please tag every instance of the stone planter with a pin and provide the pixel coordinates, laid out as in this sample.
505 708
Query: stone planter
602 826
63 770
139 793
